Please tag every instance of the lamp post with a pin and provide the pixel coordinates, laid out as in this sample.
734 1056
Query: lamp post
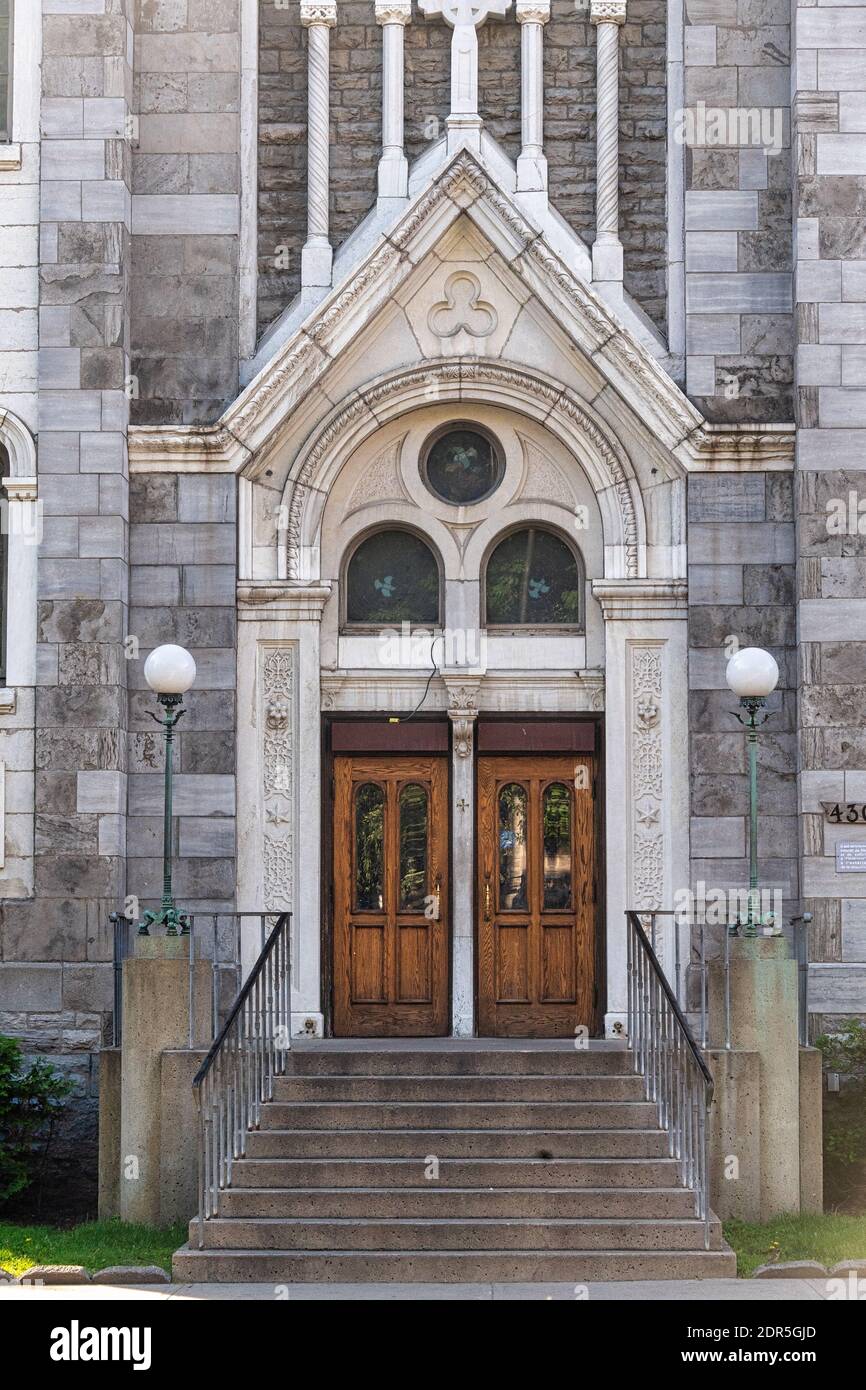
169 671
752 674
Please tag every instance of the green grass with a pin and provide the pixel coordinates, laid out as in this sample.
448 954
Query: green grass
827 1239
95 1244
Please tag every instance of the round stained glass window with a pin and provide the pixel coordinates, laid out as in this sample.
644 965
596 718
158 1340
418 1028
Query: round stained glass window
462 466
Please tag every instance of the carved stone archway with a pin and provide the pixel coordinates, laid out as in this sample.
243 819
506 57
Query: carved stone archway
558 408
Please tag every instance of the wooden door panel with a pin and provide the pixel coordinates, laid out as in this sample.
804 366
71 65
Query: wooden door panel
536 895
390 867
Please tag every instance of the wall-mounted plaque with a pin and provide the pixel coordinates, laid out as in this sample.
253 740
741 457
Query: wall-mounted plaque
851 857
845 812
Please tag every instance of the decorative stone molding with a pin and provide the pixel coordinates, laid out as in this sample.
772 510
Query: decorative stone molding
505 693
251 425
319 12
629 599
646 774
605 461
277 684
533 11
607 11
463 712
393 11
21 489
267 600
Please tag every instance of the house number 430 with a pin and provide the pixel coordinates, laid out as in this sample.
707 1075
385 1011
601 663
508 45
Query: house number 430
847 813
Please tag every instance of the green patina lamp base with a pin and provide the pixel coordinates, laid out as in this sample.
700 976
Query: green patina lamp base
167 917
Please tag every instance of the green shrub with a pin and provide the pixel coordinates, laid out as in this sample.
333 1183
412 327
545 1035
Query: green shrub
845 1113
32 1098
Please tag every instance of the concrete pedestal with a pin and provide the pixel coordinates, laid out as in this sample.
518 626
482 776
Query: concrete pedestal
765 1151
156 1004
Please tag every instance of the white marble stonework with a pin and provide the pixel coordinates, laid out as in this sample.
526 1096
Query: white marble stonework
453 323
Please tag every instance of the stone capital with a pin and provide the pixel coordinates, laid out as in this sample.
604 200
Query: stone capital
20 489
319 12
641 599
533 11
393 11
607 11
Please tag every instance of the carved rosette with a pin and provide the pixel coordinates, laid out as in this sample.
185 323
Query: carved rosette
278 702
647 777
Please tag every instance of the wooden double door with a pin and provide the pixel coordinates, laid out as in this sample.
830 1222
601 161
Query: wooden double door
391 930
534 896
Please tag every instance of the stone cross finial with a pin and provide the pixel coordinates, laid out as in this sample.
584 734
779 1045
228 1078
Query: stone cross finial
465 17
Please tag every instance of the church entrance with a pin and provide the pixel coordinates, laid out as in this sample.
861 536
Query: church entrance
391 906
536 896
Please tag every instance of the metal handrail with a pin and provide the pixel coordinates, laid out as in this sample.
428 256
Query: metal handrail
237 1076
676 1077
204 945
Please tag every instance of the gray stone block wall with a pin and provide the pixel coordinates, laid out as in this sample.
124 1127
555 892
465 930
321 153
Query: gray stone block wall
182 589
830 200
356 123
741 590
186 200
55 976
738 239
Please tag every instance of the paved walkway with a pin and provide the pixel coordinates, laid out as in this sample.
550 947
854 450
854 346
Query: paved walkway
696 1290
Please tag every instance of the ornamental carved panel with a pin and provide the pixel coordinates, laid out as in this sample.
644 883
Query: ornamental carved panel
646 832
277 685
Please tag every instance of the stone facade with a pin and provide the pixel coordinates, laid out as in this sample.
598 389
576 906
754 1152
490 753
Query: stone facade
742 594
738 232
190 487
830 295
356 124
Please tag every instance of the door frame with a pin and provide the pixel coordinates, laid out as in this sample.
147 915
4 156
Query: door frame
370 740
600 820
370 734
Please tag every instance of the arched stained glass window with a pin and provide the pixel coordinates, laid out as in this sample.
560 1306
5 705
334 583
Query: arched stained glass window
392 578
534 579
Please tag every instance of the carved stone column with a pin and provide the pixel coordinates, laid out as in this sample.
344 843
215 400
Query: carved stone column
532 15
317 17
646 765
463 713
393 15
607 16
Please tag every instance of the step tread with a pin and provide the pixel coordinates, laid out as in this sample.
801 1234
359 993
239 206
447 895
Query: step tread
611 1192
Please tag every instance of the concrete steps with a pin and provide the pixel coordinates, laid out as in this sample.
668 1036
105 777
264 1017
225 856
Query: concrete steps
467 1203
446 1267
457 1143
471 1162
455 1173
451 1233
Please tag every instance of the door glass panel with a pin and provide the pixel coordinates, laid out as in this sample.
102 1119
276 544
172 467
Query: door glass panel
512 848
556 820
413 848
369 847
